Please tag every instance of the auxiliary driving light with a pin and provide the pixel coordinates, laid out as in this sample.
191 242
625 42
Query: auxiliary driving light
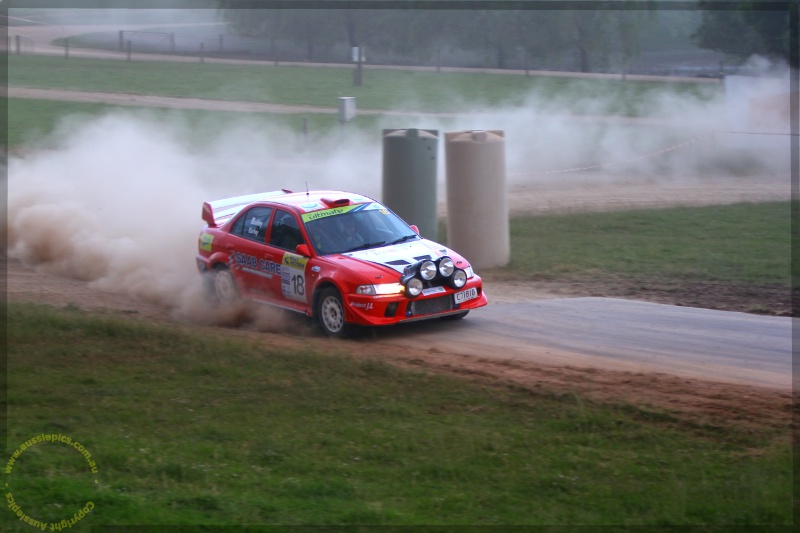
414 287
446 267
427 270
459 279
428 274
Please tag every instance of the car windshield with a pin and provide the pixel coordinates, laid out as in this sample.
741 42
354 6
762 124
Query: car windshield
357 227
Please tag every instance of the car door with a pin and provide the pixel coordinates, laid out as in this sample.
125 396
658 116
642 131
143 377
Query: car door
248 251
284 236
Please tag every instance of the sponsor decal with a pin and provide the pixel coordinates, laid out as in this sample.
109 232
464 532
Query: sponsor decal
205 241
258 273
295 261
315 215
293 276
366 306
433 290
254 265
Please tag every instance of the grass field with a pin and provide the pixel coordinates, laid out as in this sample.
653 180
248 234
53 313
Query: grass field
742 243
198 427
295 85
298 85
30 121
191 427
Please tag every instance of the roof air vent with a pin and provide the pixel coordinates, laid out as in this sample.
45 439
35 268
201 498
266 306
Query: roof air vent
335 203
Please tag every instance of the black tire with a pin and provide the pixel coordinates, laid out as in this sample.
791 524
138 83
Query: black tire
330 314
223 286
456 316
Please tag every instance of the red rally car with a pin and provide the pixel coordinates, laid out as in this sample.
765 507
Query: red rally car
340 258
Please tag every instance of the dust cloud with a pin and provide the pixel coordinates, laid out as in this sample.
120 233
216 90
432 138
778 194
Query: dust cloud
116 200
737 129
117 203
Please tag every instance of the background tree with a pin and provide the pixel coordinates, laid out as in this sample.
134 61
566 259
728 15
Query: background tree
495 33
593 37
418 35
544 36
750 28
564 39
311 28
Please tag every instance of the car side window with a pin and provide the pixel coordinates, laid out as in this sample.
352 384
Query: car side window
253 224
285 231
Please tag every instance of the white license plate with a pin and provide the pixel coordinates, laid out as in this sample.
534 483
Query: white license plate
464 296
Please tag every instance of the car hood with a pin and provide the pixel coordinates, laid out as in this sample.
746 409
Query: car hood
399 256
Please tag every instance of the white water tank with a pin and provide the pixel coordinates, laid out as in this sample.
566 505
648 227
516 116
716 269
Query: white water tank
409 177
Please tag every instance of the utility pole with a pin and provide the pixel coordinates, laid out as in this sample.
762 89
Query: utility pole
358 58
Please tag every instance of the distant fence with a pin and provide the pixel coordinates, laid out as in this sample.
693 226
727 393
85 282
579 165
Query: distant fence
18 44
216 47
147 41
128 42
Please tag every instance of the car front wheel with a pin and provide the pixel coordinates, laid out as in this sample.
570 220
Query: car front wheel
225 290
330 313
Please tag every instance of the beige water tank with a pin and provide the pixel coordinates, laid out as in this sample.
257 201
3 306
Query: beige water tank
477 207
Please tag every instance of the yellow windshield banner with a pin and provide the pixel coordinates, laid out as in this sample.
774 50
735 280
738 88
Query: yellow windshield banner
314 215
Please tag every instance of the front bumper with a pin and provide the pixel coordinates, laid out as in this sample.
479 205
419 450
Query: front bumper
394 309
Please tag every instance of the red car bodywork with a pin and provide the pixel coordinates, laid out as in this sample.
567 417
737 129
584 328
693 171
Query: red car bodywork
241 236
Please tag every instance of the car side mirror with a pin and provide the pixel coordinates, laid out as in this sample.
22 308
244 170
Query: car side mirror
415 228
303 250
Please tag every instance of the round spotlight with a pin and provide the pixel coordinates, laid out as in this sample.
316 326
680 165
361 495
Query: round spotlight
459 278
414 287
446 266
427 270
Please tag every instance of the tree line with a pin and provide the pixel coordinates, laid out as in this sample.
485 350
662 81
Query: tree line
543 36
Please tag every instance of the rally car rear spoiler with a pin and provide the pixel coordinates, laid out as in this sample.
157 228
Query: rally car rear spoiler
217 212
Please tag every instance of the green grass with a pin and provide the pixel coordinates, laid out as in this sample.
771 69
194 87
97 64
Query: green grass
298 85
189 427
30 122
741 243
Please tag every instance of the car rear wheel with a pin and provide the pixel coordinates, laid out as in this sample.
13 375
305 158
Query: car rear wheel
225 291
330 313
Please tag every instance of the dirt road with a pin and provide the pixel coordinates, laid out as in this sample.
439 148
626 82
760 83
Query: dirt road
545 368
